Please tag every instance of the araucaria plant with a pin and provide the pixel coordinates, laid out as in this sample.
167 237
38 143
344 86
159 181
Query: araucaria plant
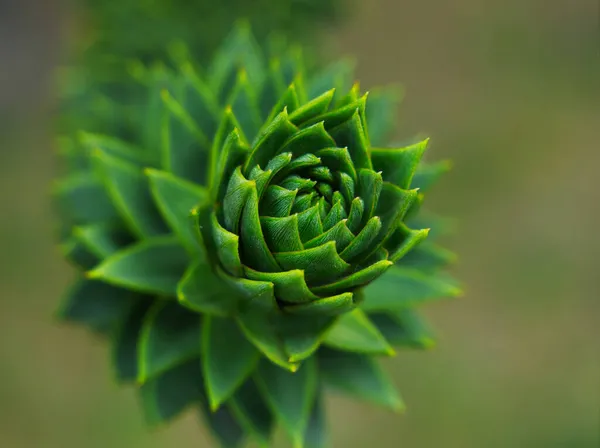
251 247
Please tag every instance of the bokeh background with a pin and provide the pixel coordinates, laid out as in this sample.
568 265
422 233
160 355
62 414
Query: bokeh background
510 90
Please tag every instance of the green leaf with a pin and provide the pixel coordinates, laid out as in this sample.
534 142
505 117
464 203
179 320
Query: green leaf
96 305
338 159
260 329
252 413
198 99
329 306
360 376
301 336
175 199
354 332
427 257
351 135
290 286
391 208
319 264
398 166
308 141
170 336
288 102
404 287
405 328
223 425
254 249
82 199
403 240
116 148
78 254
382 113
269 140
153 266
226 247
355 280
125 342
185 148
428 174
202 291
239 50
363 241
102 239
337 74
229 157
128 188
281 234
313 108
168 395
315 435
244 105
227 359
291 396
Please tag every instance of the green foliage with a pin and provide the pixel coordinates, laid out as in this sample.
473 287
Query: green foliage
116 31
248 248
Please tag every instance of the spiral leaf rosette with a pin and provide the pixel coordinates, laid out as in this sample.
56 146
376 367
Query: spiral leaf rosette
250 247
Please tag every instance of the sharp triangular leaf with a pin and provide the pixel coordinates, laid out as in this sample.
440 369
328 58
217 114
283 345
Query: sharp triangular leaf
360 376
354 332
128 189
170 336
227 358
151 266
175 199
290 395
406 287
97 305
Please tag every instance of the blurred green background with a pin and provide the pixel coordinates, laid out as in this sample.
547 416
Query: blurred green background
510 90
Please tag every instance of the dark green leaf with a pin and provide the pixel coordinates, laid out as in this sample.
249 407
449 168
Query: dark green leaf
316 435
125 342
82 199
96 305
403 287
308 141
398 166
227 359
320 263
290 286
202 291
354 332
329 306
405 328
152 266
382 113
269 141
351 135
175 199
168 395
290 395
260 329
250 410
170 336
244 105
128 188
359 376
254 249
185 148
313 108
117 148
102 240
428 174
355 280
